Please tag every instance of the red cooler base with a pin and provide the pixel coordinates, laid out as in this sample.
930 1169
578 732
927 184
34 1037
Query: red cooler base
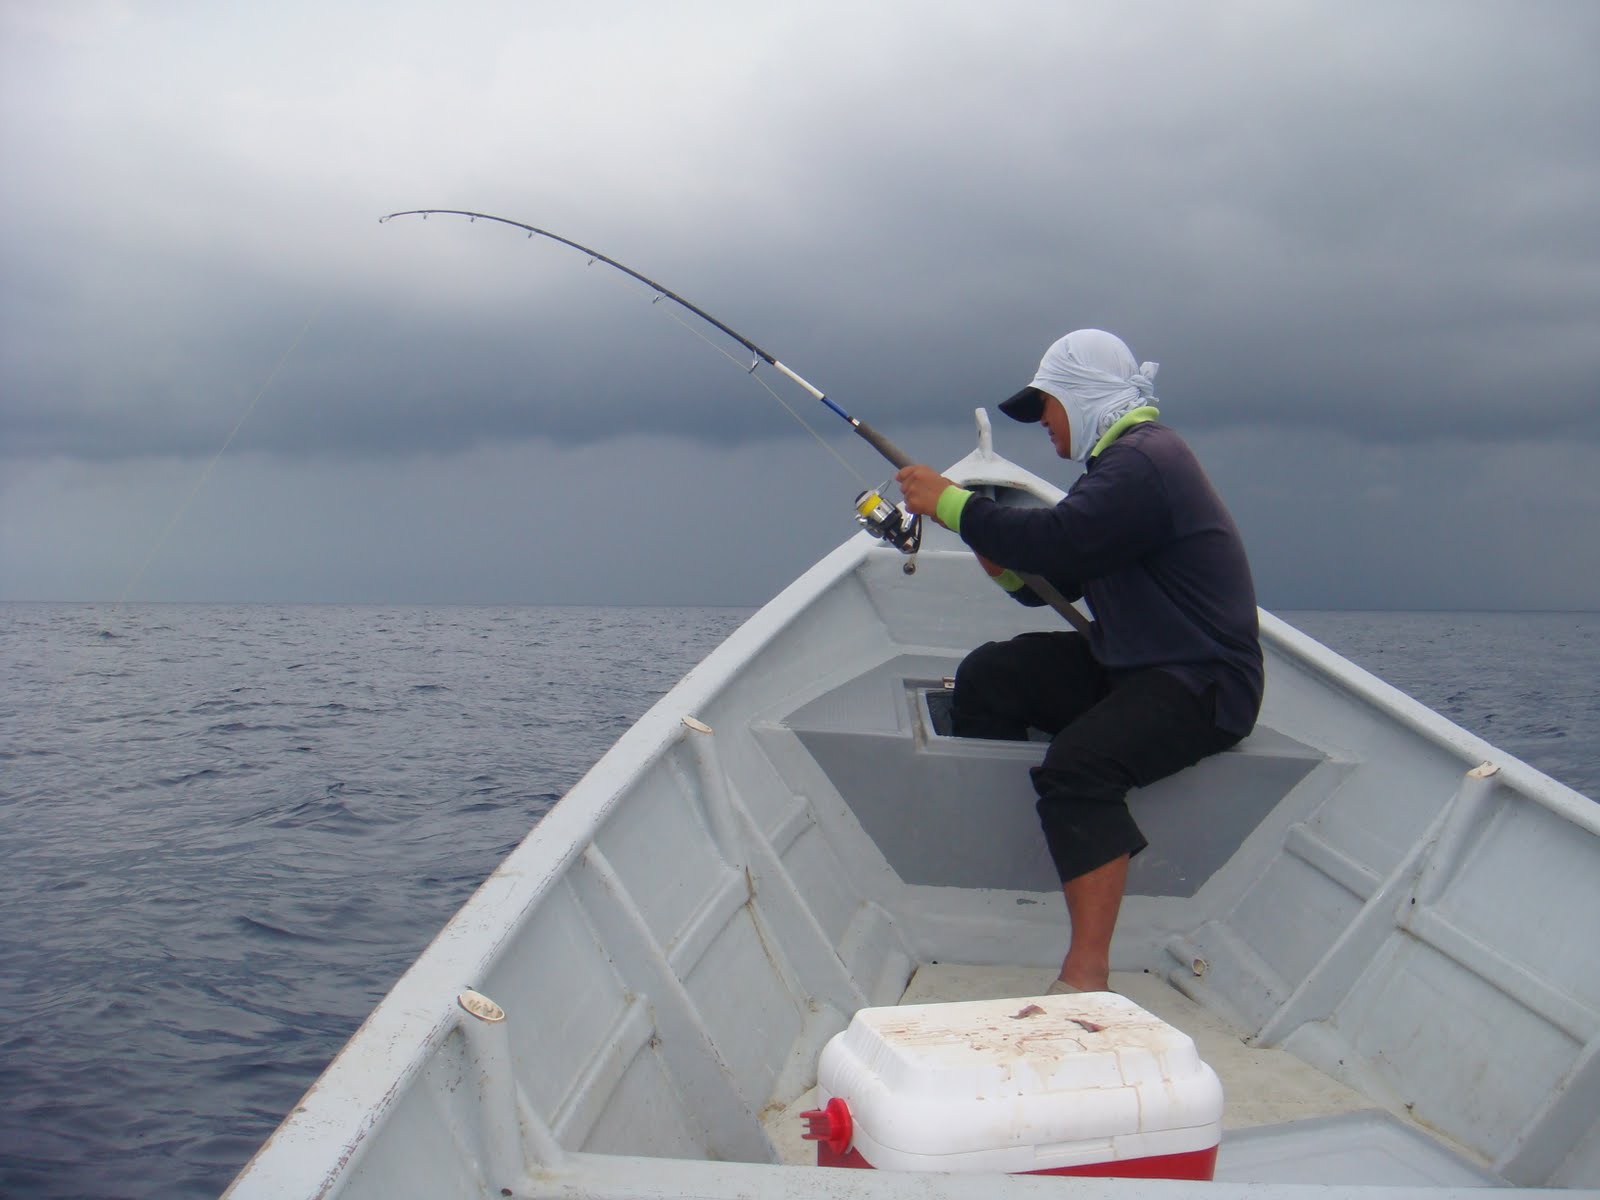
1192 1164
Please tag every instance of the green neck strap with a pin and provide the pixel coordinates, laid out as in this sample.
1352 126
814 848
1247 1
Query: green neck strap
1128 420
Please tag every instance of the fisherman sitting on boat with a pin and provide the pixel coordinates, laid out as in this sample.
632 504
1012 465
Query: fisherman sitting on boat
1170 671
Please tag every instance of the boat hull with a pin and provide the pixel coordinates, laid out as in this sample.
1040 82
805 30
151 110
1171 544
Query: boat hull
787 838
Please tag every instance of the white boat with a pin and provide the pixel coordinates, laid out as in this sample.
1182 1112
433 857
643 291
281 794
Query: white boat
1378 930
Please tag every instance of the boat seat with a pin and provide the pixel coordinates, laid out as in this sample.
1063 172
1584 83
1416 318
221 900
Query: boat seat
882 739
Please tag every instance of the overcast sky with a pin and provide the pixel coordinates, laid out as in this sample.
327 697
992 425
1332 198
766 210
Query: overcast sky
1360 238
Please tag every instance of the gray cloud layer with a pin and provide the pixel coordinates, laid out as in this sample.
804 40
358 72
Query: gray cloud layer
1361 221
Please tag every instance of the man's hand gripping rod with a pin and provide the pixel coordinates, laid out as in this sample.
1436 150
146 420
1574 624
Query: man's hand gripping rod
1041 586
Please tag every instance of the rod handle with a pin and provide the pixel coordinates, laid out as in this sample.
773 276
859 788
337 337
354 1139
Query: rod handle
882 444
1047 592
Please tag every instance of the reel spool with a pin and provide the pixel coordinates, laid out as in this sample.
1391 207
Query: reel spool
890 523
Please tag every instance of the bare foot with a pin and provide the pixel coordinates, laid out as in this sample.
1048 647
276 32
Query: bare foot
1072 981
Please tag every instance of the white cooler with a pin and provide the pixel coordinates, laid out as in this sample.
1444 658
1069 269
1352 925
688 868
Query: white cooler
1086 1084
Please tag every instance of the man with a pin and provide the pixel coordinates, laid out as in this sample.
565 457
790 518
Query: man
1171 669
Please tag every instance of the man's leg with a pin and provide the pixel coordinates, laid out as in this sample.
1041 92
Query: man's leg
1147 728
1042 680
1093 901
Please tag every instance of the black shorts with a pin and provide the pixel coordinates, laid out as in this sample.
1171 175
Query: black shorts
1107 737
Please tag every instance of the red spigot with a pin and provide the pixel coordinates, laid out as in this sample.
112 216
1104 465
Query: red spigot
831 1125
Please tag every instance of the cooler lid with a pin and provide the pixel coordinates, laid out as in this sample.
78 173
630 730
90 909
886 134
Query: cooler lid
1032 1070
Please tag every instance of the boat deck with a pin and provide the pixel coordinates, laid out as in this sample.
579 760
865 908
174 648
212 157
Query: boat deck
1283 1121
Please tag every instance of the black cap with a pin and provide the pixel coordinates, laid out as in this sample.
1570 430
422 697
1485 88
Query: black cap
1027 405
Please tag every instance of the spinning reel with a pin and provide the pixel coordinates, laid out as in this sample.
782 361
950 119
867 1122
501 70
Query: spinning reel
891 523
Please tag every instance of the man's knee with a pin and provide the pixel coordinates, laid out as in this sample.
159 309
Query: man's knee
983 666
985 702
1083 810
1037 680
1083 832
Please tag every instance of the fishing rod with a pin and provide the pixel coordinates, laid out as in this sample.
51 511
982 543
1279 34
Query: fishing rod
892 523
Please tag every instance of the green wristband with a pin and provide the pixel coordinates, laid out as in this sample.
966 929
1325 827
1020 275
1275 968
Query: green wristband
950 505
1010 580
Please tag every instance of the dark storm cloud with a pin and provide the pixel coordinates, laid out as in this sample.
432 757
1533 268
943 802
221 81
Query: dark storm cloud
1329 217
1374 217
1357 236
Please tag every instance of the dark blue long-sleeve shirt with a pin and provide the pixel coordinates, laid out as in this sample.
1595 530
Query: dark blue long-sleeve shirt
1145 539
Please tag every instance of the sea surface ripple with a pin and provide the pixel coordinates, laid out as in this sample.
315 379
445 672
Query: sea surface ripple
227 830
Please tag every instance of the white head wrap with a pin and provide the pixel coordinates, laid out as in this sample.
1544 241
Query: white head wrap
1097 380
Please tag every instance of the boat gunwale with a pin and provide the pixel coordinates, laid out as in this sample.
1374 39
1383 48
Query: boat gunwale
1565 802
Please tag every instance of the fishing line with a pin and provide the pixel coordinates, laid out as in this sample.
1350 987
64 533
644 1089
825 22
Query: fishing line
771 391
105 628
655 295
870 435
210 466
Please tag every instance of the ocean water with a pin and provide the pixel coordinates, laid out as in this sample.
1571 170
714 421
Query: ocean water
225 831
